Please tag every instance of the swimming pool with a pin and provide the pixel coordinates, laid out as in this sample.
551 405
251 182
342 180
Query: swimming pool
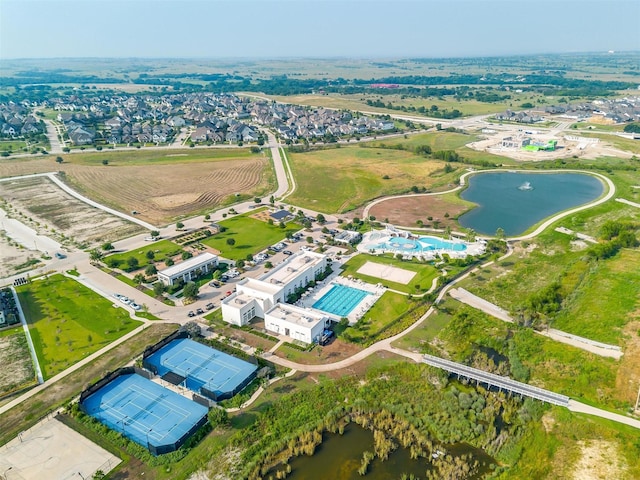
421 244
340 300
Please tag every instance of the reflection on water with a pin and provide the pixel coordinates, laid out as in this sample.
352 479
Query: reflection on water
339 458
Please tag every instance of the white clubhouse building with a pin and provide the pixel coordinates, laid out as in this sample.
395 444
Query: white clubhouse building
266 298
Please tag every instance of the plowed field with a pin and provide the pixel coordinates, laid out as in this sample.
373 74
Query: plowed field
159 188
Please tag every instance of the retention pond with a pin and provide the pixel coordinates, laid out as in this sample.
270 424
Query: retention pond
515 201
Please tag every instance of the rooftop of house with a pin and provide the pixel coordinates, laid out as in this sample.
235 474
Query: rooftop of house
188 264
289 269
300 316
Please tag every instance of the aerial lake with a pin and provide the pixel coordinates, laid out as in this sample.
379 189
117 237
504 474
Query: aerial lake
515 201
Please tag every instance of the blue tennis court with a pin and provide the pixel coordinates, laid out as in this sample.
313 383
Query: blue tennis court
340 300
206 370
146 412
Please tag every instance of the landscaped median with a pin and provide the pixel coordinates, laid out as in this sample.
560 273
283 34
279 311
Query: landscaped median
68 321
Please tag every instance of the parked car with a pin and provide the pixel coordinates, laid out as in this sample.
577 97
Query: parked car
117 295
191 314
209 306
287 252
124 300
199 311
135 306
60 255
227 294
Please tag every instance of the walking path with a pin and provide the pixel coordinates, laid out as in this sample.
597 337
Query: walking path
628 202
598 348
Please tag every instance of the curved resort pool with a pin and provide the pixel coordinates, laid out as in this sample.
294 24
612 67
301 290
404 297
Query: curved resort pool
515 201
419 245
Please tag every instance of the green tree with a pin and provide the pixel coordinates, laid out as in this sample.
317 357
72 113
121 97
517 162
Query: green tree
139 278
105 161
150 255
59 160
309 239
500 233
168 262
107 246
154 233
190 291
150 270
207 217
179 225
95 255
158 288
272 199
186 255
320 219
133 263
231 242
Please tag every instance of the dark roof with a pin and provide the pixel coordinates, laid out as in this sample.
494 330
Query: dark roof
280 215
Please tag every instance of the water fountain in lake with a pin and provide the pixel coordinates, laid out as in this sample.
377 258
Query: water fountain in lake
525 186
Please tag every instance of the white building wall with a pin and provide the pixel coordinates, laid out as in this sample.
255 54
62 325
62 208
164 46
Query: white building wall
238 314
293 330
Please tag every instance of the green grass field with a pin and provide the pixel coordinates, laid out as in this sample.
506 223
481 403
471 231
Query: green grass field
68 321
161 157
436 140
383 313
591 314
339 180
161 249
250 235
421 282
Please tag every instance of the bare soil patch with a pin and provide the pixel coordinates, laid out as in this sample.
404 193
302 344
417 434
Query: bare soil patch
53 212
17 367
13 256
407 211
599 460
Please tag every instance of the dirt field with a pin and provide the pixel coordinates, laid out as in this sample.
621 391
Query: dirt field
599 460
407 211
13 256
160 191
17 367
47 208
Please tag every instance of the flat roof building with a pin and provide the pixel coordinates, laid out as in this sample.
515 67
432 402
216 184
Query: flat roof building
190 269
254 297
303 324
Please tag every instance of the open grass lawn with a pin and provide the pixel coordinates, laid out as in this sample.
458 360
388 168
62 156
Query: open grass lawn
341 179
68 321
605 300
161 250
621 143
250 236
436 140
383 313
417 339
421 282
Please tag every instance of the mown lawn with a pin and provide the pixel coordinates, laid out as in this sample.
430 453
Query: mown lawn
68 321
383 313
249 234
421 282
161 250
341 179
436 140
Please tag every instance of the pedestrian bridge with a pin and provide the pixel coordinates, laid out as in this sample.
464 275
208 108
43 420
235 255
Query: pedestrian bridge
503 383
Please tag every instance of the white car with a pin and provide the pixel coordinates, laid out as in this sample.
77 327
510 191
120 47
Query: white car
124 300
135 306
117 295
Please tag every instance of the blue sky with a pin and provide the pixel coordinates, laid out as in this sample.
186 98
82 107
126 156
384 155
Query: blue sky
315 28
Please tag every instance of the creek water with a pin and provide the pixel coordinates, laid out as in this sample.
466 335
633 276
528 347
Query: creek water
339 458
515 201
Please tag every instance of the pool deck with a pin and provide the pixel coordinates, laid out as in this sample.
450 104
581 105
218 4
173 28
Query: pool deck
371 243
322 288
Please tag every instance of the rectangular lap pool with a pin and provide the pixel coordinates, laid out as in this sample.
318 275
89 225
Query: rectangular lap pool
340 300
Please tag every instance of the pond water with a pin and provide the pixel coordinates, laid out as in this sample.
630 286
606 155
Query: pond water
515 201
339 458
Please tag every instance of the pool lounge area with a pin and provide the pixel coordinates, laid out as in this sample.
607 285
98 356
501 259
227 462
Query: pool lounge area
423 247
342 297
